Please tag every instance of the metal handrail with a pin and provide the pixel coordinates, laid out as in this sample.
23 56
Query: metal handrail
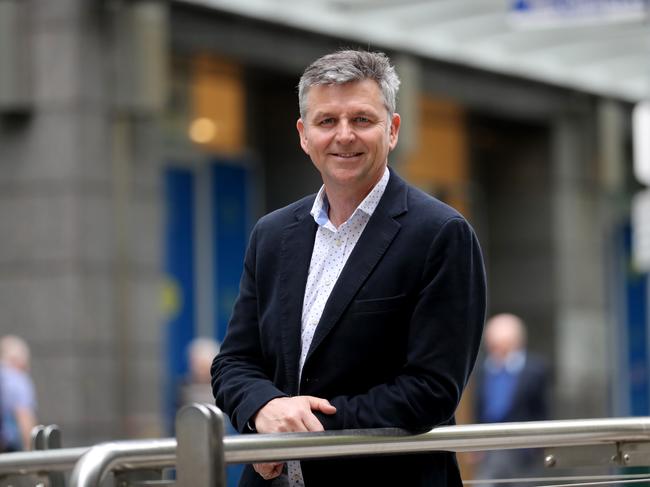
99 460
458 438
34 462
91 465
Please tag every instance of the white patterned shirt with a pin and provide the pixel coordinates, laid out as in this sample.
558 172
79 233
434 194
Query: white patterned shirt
332 247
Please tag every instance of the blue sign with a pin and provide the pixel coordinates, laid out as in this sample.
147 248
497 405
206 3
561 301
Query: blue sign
631 386
551 13
179 270
229 213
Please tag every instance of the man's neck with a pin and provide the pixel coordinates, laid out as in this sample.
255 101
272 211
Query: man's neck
342 206
343 200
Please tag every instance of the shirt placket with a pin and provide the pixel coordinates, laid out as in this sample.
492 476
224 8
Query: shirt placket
337 247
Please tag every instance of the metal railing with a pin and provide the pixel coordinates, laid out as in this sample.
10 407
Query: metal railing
201 452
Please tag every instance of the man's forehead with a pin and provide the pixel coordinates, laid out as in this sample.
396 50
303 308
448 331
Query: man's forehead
365 83
330 97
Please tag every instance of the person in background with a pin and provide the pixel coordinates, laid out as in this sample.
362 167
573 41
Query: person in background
200 354
17 394
196 387
511 385
361 306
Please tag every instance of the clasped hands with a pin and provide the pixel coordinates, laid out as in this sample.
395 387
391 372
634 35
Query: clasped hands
288 415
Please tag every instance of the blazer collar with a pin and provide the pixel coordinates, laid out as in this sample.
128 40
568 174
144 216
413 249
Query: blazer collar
297 244
296 247
372 245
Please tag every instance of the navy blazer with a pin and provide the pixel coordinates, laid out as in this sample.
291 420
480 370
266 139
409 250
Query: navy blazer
396 342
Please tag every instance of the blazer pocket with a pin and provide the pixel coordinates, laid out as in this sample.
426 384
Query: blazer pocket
378 305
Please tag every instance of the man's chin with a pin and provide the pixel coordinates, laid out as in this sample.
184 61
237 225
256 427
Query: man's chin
346 177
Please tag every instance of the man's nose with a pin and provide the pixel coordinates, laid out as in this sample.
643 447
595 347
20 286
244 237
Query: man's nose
345 132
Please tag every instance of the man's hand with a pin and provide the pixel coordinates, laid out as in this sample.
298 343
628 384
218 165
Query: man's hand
291 414
268 471
288 415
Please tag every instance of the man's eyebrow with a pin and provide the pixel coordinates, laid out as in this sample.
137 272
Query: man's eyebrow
367 113
321 114
356 113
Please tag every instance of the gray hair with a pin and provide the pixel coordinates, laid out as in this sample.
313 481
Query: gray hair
350 65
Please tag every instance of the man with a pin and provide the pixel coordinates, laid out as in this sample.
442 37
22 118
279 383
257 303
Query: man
359 307
511 386
200 354
17 395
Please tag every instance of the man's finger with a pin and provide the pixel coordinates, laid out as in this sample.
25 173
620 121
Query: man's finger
312 424
320 404
268 470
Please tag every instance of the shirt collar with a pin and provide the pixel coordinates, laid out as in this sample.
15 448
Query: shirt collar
321 206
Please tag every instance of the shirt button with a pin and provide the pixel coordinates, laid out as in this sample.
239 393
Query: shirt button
337 242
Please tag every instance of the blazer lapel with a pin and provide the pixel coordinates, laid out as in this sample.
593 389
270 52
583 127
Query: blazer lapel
295 253
372 245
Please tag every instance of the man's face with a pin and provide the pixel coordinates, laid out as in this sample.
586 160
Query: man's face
347 134
502 337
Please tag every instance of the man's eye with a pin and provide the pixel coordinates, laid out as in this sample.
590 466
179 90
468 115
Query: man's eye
326 121
362 120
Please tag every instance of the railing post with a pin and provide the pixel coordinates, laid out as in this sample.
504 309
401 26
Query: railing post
48 438
38 437
52 440
199 453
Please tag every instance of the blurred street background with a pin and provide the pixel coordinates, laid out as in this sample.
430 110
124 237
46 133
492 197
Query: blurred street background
141 139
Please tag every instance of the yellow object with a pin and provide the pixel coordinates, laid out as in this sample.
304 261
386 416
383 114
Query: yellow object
171 298
217 97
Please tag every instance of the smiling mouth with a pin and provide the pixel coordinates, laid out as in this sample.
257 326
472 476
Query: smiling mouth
347 155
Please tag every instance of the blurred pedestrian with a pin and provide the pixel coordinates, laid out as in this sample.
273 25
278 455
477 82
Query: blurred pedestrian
511 386
17 394
196 388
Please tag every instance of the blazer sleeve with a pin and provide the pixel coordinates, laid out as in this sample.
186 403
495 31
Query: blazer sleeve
240 383
444 333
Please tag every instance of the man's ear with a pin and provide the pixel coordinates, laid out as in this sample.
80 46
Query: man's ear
303 137
394 130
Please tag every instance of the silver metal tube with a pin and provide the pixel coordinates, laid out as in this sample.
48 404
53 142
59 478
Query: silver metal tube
40 461
288 446
199 453
97 462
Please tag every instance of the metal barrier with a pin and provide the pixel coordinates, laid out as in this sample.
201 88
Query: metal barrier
93 467
49 438
40 462
44 465
201 452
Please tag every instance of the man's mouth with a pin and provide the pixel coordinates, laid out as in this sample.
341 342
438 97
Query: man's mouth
347 155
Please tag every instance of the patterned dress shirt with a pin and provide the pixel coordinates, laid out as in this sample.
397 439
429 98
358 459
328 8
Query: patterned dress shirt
332 247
